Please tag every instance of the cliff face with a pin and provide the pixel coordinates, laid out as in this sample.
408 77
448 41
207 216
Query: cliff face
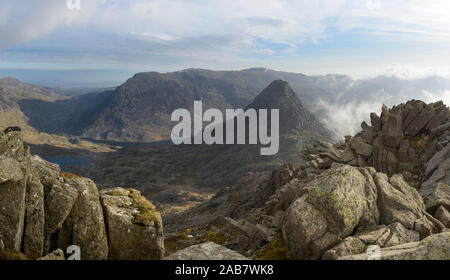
43 210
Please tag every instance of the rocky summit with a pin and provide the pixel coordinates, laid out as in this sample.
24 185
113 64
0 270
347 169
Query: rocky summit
383 193
43 212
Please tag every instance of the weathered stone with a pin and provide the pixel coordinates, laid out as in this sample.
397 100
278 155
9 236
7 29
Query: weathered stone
440 196
400 235
206 251
434 247
420 121
58 205
11 145
134 226
57 255
88 224
12 203
413 113
442 215
348 154
441 128
393 129
335 204
436 160
49 173
439 118
348 246
398 202
361 148
34 218
375 120
10 170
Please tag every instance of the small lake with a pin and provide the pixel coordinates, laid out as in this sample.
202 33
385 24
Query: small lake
66 161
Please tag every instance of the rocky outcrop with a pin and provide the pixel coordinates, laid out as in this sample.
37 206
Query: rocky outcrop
385 186
41 211
345 199
434 247
134 227
206 251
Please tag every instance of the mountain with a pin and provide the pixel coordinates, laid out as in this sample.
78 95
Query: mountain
13 92
176 176
294 117
139 109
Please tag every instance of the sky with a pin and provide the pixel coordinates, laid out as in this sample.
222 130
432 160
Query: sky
360 38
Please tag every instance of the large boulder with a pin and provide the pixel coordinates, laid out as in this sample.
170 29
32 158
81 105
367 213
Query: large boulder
398 202
88 224
336 202
134 226
206 251
58 205
382 210
12 203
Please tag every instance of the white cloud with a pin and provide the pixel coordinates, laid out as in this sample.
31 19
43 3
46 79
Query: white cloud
281 21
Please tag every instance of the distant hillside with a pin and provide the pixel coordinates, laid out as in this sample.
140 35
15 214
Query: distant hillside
139 109
13 92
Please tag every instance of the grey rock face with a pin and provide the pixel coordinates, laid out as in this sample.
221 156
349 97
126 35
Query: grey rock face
12 203
42 211
206 251
34 230
134 227
89 231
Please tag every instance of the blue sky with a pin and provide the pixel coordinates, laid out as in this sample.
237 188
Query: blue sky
360 38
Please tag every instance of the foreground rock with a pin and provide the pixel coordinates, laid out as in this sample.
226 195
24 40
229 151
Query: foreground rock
206 251
134 227
42 211
57 255
434 247
344 199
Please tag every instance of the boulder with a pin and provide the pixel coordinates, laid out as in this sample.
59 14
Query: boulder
33 242
440 196
425 116
11 145
57 255
134 226
12 203
349 246
58 205
361 148
398 202
443 215
393 129
434 247
89 231
206 251
336 202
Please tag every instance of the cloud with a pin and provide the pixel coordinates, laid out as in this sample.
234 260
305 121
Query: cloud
344 113
231 31
22 21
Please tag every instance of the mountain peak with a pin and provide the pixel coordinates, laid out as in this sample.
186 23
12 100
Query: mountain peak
277 95
294 117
